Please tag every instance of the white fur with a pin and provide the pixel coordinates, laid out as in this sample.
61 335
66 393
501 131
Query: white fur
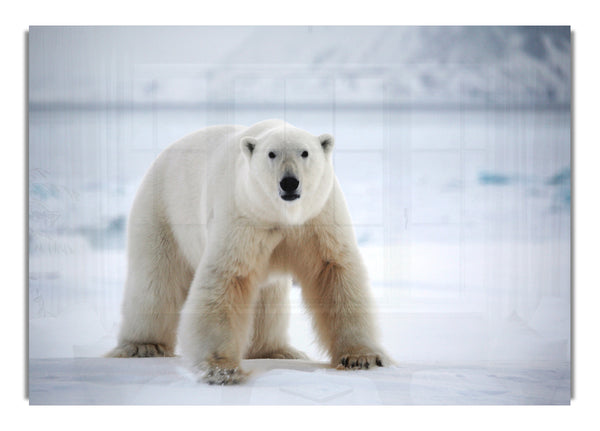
212 247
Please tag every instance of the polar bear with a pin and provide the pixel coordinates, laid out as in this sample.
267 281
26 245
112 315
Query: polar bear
223 220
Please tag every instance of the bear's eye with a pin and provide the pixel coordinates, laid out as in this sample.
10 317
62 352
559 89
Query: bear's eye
271 155
304 154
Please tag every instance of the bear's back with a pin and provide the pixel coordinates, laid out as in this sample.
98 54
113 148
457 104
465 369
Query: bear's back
225 137
264 127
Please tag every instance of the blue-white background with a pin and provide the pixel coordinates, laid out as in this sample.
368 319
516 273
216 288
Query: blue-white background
452 147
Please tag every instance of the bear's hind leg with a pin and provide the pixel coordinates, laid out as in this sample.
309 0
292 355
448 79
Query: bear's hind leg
271 321
157 283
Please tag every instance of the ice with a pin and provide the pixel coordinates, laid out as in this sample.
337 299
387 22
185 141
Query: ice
164 381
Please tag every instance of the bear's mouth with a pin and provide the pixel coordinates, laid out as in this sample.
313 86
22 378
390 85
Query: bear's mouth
289 196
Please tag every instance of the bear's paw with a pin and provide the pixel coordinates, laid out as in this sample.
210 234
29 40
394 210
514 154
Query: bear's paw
361 361
224 376
287 352
140 350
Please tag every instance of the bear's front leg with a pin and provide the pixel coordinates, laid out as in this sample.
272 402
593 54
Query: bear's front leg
215 326
343 316
216 320
335 288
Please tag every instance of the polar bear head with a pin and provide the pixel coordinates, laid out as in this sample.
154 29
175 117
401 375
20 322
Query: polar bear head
286 174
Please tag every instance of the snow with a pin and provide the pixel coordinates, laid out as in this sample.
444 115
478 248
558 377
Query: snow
481 66
450 347
165 381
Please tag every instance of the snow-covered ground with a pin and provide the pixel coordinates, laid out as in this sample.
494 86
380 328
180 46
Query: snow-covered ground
468 253
165 381
462 215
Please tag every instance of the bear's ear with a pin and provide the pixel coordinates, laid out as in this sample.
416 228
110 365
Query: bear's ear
247 145
326 142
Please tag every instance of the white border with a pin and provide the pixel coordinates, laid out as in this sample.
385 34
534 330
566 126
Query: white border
581 15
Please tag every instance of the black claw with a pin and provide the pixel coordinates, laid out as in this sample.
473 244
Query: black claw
345 362
378 362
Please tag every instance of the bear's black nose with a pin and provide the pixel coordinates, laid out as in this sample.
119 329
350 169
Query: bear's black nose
289 184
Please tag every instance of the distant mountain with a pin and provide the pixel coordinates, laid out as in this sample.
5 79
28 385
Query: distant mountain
408 66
